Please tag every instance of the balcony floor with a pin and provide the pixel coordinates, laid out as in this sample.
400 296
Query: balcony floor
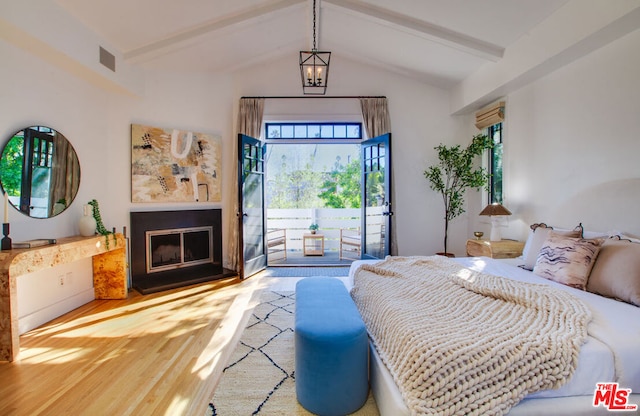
297 259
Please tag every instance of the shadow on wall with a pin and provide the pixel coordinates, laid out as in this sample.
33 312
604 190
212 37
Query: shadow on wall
609 206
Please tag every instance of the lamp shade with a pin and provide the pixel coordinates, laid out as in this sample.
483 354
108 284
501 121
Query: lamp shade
495 209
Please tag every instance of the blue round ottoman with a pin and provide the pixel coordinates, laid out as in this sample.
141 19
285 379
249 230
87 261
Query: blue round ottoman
331 348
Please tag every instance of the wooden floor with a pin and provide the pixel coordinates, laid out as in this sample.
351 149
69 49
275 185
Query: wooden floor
159 354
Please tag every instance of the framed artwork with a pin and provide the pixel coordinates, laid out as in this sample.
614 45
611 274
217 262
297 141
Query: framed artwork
170 165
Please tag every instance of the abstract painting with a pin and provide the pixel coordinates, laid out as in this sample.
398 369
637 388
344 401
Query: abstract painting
171 165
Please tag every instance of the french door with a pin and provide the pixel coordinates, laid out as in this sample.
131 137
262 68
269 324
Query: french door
251 217
376 197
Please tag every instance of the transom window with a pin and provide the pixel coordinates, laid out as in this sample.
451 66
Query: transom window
314 130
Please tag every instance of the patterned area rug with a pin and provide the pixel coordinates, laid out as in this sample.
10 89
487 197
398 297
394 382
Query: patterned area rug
260 379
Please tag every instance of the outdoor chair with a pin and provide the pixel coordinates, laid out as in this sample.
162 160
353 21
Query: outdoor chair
277 242
350 242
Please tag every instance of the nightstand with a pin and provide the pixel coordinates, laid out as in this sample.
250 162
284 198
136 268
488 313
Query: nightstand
502 249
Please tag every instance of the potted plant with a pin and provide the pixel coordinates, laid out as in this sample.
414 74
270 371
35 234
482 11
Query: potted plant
454 174
313 228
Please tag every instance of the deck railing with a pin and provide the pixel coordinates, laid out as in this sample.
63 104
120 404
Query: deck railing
329 220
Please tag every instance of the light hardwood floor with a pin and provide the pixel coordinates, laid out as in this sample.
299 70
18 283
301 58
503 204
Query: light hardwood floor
159 354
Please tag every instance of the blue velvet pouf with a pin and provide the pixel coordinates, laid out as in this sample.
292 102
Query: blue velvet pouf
331 348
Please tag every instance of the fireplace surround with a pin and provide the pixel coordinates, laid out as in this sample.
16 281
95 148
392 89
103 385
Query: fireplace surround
172 249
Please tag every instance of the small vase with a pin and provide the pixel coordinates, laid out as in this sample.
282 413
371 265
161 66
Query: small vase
87 223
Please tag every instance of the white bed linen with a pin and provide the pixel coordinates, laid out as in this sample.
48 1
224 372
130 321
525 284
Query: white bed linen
611 352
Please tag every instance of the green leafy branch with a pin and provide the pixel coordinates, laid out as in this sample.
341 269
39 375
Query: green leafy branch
100 228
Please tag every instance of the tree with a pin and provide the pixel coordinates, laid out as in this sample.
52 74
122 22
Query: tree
295 186
11 166
455 173
341 187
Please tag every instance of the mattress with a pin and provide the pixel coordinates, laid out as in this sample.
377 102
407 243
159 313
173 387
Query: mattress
608 355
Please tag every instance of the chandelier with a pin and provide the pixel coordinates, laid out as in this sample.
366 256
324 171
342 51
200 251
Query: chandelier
314 66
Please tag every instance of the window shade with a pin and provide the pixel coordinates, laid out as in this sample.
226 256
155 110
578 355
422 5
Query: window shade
490 115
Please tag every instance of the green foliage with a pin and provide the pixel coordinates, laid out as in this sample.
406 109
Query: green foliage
295 186
455 173
11 166
341 187
313 227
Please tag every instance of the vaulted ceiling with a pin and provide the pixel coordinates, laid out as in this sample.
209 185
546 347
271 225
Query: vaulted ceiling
436 41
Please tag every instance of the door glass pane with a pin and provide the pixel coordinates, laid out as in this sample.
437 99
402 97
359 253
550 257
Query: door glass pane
374 220
377 208
252 189
252 207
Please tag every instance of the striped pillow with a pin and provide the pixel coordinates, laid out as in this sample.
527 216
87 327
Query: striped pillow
538 237
567 260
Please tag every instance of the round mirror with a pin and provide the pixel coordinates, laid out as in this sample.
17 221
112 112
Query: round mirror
39 170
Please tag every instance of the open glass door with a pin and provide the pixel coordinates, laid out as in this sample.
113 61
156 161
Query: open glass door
376 194
251 221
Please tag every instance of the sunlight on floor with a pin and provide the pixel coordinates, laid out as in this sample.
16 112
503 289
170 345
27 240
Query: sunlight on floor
230 328
54 355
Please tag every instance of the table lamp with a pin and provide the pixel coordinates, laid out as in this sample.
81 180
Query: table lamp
494 210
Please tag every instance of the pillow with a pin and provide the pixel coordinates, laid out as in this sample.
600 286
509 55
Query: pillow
616 273
536 239
567 260
527 244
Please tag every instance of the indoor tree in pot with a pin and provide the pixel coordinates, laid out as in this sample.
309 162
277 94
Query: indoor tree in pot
454 173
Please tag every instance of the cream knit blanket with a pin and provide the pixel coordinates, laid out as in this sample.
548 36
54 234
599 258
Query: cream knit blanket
459 342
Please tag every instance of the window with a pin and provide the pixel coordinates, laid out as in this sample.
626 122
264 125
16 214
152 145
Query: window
314 131
495 164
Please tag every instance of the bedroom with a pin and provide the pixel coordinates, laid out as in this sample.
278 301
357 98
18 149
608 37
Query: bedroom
571 139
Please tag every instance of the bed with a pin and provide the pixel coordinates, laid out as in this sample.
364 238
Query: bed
609 352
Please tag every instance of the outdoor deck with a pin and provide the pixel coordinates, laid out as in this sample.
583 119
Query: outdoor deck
296 258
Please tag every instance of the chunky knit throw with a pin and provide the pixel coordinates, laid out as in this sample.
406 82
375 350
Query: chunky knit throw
459 342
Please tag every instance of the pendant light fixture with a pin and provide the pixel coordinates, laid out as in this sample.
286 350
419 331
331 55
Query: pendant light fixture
314 66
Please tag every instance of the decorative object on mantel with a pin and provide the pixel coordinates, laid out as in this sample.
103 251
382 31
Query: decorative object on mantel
478 234
170 165
38 242
87 223
455 173
6 240
495 211
314 66
99 225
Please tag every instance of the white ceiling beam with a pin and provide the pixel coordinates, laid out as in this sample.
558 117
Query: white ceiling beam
420 28
188 35
554 43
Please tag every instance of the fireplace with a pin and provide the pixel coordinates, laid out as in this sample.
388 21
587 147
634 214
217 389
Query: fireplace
171 249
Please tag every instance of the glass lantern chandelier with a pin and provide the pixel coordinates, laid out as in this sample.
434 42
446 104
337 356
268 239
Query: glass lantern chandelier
314 66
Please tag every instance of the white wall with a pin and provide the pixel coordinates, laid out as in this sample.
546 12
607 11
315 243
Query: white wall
572 144
48 293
